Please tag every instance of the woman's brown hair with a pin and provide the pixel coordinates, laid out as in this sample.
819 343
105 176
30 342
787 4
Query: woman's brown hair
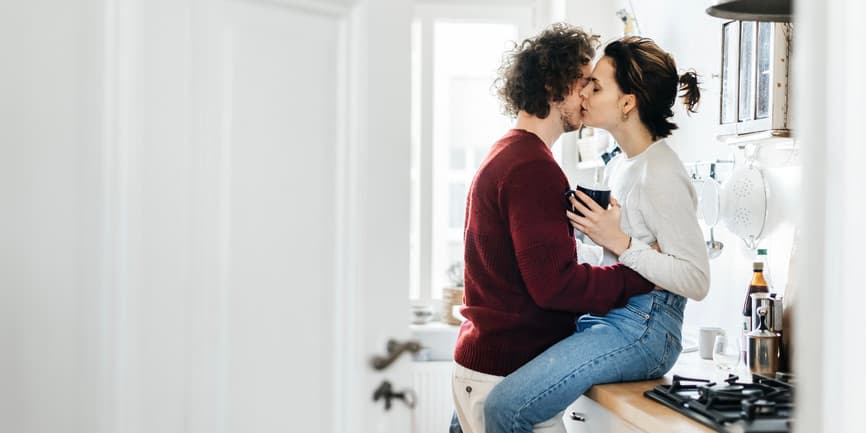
648 72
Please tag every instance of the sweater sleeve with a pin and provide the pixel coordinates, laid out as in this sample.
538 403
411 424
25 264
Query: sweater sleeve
532 197
668 206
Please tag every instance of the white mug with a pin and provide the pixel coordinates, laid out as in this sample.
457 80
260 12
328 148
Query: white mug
706 338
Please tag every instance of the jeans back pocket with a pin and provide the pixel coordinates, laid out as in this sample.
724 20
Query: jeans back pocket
668 358
640 307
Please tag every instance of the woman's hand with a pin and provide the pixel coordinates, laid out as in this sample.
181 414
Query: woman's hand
601 225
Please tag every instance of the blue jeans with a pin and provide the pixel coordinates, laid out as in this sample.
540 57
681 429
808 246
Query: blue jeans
455 426
637 342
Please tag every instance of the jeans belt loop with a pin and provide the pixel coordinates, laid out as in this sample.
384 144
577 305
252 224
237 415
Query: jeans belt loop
671 299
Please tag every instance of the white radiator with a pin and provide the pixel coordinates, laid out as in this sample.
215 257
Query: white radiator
432 384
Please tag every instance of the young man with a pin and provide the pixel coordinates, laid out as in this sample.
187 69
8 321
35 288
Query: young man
523 284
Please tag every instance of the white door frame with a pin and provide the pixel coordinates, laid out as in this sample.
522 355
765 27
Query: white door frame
828 320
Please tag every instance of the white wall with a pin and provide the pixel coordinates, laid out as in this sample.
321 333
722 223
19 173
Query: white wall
49 223
683 28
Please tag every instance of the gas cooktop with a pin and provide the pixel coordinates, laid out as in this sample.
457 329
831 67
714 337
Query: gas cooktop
764 405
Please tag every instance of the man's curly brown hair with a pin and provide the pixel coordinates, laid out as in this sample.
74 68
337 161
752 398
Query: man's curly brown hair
543 69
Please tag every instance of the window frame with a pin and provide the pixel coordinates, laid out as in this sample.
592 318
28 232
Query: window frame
525 15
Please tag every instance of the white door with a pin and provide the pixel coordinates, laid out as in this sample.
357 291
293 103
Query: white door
304 125
231 211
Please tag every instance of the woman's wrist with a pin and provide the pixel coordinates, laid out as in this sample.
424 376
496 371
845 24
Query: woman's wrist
623 244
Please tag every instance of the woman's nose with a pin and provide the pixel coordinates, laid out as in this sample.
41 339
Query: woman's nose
583 92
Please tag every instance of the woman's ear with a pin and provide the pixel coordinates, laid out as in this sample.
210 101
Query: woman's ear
627 104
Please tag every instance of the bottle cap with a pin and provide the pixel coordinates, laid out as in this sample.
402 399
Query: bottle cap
757 266
762 251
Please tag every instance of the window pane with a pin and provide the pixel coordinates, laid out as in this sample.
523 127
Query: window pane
456 205
747 71
457 157
467 119
475 119
455 252
764 53
730 54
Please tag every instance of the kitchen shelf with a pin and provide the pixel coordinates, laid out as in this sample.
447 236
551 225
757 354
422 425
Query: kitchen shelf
782 138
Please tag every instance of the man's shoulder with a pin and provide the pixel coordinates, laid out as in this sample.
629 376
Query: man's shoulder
519 159
531 171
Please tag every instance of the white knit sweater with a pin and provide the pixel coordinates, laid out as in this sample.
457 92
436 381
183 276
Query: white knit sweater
659 204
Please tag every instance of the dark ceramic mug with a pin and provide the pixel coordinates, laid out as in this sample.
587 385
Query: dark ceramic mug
598 192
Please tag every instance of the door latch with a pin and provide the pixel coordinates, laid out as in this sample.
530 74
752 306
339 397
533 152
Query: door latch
386 391
395 349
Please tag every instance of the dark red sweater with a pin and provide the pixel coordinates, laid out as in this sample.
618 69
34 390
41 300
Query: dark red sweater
523 285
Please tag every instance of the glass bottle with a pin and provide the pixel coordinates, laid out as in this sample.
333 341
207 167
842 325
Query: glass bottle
757 285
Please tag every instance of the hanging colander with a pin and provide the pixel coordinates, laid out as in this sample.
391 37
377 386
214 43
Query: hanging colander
744 204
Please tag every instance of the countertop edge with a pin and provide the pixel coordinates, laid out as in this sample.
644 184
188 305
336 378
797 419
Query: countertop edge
626 399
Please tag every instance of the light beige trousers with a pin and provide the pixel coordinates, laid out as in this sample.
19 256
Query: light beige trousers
470 389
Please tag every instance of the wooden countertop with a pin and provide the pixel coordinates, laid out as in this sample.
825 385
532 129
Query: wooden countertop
626 400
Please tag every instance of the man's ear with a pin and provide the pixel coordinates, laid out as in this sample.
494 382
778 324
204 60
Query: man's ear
554 103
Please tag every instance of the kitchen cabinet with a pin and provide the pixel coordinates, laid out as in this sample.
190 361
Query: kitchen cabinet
754 94
434 407
595 418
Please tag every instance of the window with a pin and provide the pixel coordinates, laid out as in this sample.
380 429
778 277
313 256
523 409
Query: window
456 52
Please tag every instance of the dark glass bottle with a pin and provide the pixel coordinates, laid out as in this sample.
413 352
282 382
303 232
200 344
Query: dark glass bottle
757 285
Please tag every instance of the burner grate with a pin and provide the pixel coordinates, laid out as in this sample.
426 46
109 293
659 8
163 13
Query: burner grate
763 406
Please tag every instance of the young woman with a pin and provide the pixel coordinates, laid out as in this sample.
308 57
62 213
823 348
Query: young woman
654 231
